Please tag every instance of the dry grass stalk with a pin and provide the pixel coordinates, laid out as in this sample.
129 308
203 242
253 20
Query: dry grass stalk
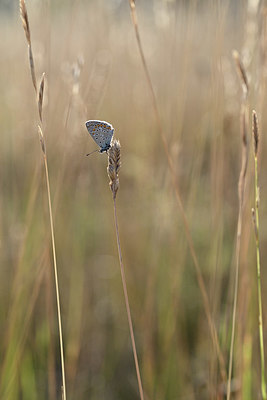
41 137
113 168
25 22
241 190
189 239
64 397
41 97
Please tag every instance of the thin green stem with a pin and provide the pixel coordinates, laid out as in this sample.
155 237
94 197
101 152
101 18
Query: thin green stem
263 382
56 281
127 304
234 304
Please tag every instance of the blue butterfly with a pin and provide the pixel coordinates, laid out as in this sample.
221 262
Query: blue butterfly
101 132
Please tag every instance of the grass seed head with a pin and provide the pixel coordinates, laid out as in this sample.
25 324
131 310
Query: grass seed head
25 21
114 163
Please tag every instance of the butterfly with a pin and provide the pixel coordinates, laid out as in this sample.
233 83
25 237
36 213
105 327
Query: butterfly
101 132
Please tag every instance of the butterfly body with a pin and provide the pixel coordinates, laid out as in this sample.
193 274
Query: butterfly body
101 132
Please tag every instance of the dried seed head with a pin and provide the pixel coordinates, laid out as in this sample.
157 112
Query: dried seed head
41 96
255 132
241 71
41 137
25 21
26 26
114 163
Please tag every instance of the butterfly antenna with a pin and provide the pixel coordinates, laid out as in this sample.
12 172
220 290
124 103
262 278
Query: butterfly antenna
91 152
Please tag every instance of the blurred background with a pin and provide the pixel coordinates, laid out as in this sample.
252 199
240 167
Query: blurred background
93 70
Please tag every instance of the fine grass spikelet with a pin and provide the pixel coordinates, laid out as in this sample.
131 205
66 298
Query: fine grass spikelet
255 132
114 164
26 27
41 97
25 21
32 68
241 71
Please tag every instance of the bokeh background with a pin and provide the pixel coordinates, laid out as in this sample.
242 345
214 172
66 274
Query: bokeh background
93 68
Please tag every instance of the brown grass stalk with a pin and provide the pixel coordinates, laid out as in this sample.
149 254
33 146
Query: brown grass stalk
113 168
189 239
241 189
26 26
55 266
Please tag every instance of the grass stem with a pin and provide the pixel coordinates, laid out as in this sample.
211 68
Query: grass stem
56 281
255 217
113 170
125 292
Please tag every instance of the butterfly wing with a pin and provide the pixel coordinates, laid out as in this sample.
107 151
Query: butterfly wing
101 132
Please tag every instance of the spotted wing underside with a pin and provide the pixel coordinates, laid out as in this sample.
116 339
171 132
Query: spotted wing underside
101 132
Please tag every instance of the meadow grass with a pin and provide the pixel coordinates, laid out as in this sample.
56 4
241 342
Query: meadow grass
179 128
